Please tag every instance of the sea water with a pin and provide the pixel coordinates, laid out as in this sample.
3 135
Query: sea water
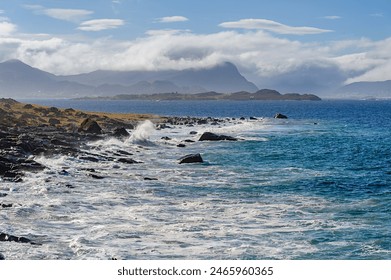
314 186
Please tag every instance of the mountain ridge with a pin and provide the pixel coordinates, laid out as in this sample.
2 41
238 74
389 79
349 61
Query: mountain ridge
376 89
18 79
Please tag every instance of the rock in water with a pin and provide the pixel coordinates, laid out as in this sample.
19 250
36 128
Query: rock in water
192 158
280 116
90 126
2 257
209 136
121 133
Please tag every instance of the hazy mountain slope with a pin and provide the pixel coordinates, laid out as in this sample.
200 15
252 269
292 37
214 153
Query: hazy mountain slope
365 90
223 78
18 79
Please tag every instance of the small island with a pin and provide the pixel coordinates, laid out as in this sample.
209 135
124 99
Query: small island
263 94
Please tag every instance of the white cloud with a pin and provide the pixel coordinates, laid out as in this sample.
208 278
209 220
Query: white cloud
172 19
72 15
263 58
332 17
100 24
7 28
273 26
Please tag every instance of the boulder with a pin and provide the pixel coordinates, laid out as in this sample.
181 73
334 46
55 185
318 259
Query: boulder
192 158
121 133
280 116
90 126
209 136
127 160
10 238
53 121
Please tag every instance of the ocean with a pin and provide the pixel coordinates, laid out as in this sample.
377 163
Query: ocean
314 186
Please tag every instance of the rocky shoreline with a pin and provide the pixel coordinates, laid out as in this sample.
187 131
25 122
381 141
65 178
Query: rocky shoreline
29 131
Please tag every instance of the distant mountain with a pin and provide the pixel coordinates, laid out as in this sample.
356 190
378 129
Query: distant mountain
224 78
18 79
366 90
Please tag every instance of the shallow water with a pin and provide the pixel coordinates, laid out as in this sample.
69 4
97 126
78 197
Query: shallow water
315 186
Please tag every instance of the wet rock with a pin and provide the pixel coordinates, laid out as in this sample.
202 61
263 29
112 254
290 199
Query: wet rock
12 238
4 167
162 126
280 116
192 158
208 136
90 126
127 160
69 186
8 205
63 172
121 133
181 145
11 174
124 153
193 132
150 179
89 158
188 141
253 118
2 257
3 194
166 138
96 176
58 142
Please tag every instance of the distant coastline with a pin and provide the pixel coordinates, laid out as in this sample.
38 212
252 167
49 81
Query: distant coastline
264 94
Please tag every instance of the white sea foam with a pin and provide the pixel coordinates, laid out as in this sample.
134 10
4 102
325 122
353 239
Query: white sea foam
142 133
209 211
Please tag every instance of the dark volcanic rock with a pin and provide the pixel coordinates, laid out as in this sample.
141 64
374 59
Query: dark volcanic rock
192 158
209 136
90 126
96 176
280 116
8 237
121 133
2 257
150 179
127 160
53 121
4 205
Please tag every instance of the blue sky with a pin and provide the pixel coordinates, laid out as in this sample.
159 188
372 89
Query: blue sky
276 43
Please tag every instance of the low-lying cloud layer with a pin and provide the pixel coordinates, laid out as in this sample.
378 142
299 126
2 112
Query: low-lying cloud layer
265 59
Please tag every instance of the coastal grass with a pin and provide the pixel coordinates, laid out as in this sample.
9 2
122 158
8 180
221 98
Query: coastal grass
14 113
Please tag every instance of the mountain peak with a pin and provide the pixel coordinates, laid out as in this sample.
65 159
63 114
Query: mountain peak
15 63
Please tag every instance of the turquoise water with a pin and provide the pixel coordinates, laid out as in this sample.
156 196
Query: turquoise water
315 186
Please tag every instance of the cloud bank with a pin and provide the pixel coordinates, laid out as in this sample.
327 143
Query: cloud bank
273 26
72 15
172 19
267 60
100 24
